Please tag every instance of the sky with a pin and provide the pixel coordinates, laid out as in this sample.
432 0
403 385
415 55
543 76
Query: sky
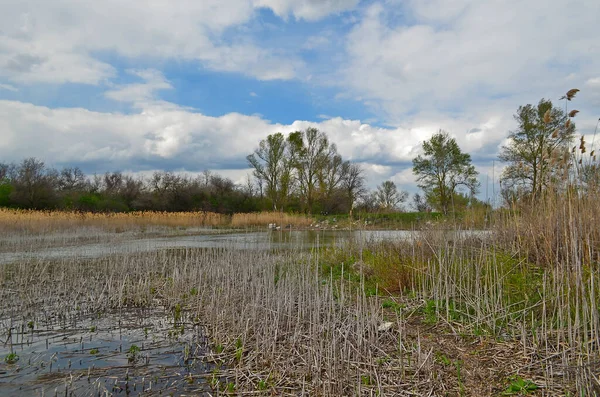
187 85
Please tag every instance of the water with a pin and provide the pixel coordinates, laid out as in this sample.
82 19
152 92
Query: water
135 352
281 239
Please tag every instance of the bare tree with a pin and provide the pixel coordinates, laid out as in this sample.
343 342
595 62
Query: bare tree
71 179
353 183
34 185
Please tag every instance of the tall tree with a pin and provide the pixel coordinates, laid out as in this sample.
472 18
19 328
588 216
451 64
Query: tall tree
34 185
353 183
332 173
442 168
309 151
388 196
540 141
272 168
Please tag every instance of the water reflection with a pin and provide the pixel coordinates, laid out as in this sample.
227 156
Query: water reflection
282 239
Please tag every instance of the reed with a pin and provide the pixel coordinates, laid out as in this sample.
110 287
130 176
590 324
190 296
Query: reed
280 219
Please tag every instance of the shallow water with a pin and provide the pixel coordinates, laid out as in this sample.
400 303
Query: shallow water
281 239
135 352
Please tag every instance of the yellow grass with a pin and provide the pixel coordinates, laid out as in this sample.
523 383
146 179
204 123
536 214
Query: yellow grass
46 221
265 218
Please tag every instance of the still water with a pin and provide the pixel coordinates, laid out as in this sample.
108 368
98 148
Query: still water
297 239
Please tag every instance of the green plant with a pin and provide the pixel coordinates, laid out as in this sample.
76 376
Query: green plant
133 353
177 314
93 328
442 358
390 304
11 358
262 385
30 325
239 349
430 312
519 386
94 351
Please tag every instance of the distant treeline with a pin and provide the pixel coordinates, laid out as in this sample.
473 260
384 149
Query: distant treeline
31 184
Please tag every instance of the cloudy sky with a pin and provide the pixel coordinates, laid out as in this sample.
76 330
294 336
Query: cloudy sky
188 85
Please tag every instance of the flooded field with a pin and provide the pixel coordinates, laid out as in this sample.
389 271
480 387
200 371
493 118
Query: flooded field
195 312
134 352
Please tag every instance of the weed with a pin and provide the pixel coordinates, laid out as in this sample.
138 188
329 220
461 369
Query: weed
11 358
519 386
390 304
366 380
133 354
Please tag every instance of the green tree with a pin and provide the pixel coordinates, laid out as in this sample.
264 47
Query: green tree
442 168
388 197
540 142
272 168
310 152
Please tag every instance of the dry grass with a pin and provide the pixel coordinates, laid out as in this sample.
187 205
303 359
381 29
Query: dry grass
37 222
52 221
468 314
276 328
264 218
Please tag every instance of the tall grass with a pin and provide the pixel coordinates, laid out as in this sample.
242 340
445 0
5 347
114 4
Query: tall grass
532 282
38 222
280 219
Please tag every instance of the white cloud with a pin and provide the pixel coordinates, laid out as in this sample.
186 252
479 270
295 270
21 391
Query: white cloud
140 93
58 42
593 82
8 87
456 53
163 135
307 9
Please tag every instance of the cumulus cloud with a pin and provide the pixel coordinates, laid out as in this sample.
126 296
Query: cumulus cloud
163 135
465 57
58 42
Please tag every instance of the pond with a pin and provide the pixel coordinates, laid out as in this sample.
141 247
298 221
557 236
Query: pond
279 239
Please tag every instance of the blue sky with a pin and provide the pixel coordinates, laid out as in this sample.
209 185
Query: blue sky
185 86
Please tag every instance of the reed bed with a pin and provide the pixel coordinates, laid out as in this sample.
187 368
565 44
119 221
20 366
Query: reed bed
280 219
52 221
541 305
276 325
40 222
